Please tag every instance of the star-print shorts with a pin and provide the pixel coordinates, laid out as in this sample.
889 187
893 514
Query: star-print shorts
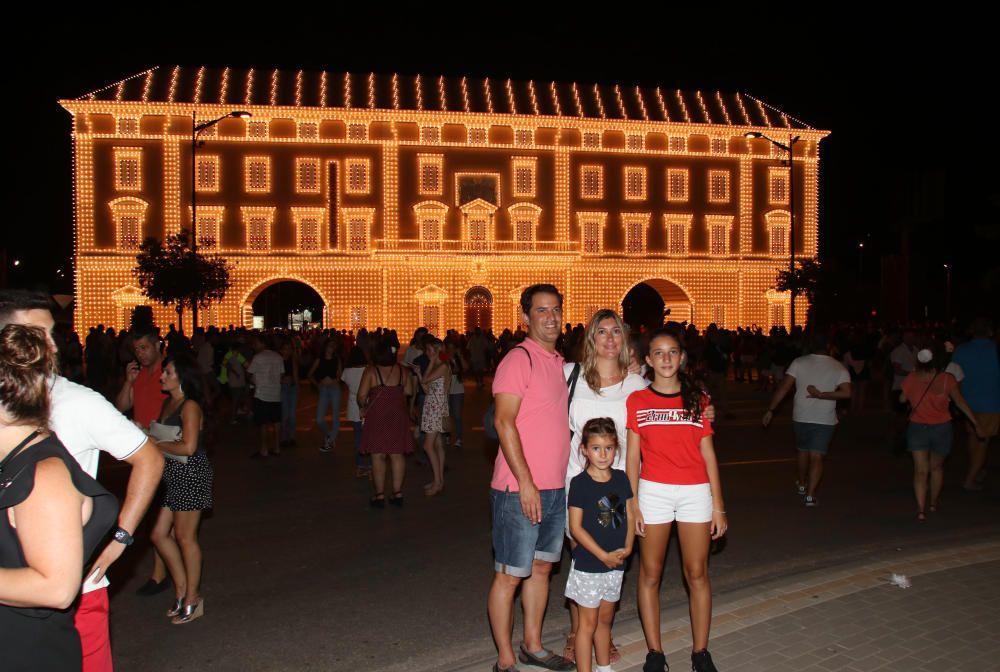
588 588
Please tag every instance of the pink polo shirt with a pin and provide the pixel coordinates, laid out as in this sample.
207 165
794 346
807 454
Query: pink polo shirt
542 420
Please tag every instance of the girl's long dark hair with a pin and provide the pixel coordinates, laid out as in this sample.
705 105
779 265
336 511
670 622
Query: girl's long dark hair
692 390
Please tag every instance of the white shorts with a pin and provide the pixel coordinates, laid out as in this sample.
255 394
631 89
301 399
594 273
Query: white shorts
588 589
664 503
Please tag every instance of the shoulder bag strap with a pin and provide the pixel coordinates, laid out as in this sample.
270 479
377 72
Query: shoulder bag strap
573 377
914 409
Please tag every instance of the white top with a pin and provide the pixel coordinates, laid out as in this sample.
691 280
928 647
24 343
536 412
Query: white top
955 370
457 385
906 357
587 404
826 373
411 354
352 378
266 369
86 423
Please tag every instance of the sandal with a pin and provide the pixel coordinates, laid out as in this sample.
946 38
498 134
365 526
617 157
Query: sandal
553 661
189 613
177 608
933 508
396 499
569 651
377 501
921 517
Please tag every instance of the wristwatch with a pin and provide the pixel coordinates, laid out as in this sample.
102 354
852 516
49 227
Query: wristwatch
123 537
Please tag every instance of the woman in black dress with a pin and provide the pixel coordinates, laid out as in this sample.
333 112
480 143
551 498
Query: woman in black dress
187 475
52 514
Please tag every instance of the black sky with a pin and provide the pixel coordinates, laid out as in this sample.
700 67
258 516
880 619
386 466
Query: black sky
906 104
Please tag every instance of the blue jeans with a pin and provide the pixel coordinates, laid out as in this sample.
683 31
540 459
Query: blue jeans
329 396
517 541
289 403
456 402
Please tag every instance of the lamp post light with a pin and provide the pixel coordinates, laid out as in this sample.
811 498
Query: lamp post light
196 129
791 210
861 262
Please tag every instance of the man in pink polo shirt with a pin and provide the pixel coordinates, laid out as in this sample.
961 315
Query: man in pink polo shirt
526 493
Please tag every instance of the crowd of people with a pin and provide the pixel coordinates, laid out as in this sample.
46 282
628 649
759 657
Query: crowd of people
637 408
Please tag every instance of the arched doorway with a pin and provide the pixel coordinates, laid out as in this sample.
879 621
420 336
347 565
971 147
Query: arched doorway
286 304
478 309
651 303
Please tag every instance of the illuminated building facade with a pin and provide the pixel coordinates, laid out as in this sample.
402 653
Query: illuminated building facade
426 200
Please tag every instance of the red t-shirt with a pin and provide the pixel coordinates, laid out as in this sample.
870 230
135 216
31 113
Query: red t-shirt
669 438
147 397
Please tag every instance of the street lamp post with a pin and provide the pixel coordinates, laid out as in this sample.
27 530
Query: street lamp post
196 129
791 210
947 292
861 262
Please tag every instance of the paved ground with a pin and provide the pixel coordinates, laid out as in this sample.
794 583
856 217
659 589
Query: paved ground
301 575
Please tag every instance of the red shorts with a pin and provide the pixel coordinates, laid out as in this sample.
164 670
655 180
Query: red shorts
92 624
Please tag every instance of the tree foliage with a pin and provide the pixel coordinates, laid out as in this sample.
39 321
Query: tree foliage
171 273
806 280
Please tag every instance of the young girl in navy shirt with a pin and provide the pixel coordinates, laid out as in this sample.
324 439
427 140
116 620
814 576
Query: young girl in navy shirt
601 524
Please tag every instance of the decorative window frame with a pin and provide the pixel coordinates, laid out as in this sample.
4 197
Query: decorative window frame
431 296
719 316
628 220
524 212
430 160
127 126
727 177
524 137
596 220
642 173
724 221
677 219
258 129
128 206
484 173
677 144
685 175
215 163
430 134
719 146
358 317
299 215
479 135
529 163
777 175
316 163
425 212
248 162
778 224
590 139
364 187
207 213
635 142
350 245
251 212
774 299
599 169
473 210
307 130
357 132
128 154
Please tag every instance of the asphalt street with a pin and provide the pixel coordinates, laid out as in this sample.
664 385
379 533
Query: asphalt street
300 574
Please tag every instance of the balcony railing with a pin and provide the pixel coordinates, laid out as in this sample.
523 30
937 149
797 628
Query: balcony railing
479 246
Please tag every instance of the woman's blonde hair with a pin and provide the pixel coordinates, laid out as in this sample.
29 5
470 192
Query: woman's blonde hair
589 359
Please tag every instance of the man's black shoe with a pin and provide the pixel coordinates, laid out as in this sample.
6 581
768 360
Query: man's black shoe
655 662
701 661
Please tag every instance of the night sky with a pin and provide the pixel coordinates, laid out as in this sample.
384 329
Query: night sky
909 109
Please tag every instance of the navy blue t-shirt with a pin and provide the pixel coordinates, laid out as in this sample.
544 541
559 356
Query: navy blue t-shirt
604 515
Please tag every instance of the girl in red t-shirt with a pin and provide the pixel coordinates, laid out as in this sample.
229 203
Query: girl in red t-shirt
679 481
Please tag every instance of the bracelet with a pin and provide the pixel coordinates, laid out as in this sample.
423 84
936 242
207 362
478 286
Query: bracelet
717 511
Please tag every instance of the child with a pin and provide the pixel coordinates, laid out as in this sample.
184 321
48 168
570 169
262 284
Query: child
679 481
601 523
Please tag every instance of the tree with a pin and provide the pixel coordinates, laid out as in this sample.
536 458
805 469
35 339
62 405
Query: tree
820 284
171 273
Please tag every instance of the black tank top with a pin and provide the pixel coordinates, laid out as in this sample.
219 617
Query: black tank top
44 639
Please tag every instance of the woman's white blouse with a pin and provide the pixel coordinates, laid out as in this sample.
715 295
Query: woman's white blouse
587 404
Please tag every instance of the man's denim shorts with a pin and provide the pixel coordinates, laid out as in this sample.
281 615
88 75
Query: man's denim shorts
813 437
516 541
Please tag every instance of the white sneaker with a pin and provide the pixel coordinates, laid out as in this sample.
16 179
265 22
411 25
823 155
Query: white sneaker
811 501
801 489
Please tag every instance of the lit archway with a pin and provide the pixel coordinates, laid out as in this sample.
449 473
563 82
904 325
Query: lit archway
652 302
478 309
286 302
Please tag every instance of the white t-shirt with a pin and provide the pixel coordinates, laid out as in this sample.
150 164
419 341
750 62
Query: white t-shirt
906 357
956 371
826 373
86 423
352 378
266 369
587 404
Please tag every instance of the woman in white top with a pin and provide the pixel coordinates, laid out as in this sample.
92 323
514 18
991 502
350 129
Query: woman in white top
352 378
602 384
